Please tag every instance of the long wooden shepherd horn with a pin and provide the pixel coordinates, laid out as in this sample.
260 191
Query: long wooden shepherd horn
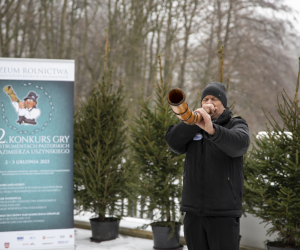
9 90
179 106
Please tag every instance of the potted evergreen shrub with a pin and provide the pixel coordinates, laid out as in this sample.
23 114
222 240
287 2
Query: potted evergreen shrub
160 169
272 175
100 173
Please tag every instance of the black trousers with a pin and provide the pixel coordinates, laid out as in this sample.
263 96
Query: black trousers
211 233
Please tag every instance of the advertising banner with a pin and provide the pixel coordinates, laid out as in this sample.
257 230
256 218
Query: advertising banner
36 153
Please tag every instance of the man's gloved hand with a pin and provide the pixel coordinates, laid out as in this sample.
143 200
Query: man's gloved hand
206 123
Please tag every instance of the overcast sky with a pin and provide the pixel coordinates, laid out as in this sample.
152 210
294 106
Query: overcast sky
295 4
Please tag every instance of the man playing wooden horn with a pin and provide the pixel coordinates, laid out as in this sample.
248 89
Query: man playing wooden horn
213 176
27 110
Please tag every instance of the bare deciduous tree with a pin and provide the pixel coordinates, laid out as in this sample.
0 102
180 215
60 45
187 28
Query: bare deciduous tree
184 32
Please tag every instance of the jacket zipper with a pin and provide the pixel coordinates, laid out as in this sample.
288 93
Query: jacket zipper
231 187
203 177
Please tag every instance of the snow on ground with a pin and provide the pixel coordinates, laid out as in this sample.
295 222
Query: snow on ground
123 242
127 222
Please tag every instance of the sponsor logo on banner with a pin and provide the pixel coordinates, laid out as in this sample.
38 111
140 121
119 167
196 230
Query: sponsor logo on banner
47 243
62 236
32 244
48 237
32 238
6 245
20 238
71 236
63 242
25 244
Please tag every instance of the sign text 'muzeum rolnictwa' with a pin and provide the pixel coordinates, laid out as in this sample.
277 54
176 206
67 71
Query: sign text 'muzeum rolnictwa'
44 71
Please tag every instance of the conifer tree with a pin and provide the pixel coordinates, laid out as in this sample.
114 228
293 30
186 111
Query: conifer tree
160 168
100 174
272 172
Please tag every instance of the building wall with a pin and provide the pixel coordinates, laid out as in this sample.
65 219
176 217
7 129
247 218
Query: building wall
253 233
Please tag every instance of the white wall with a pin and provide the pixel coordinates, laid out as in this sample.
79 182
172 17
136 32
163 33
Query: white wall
253 233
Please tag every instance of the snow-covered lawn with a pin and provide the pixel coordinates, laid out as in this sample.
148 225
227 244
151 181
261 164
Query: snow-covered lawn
127 222
123 242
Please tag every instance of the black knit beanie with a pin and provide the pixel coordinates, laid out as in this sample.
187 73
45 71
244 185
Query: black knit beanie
216 89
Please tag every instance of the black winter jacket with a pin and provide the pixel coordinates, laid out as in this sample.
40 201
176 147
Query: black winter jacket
213 178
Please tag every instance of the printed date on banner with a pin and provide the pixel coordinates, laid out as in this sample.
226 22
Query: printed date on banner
44 161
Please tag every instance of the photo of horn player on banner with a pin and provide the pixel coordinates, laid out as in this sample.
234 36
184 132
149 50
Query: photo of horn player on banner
27 110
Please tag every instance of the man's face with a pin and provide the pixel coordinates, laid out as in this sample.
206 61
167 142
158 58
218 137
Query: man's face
29 103
210 99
